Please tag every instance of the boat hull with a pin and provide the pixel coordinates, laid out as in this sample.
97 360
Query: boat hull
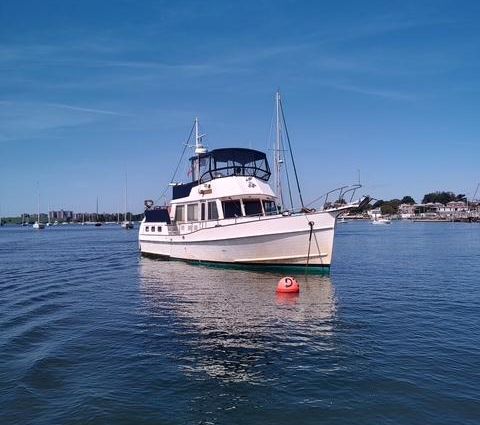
275 242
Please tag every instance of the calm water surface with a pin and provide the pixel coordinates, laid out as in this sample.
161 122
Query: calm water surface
90 333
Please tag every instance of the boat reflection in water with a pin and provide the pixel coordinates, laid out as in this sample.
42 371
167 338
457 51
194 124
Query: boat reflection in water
230 324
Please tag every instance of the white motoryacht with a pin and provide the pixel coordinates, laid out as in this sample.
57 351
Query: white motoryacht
380 220
229 214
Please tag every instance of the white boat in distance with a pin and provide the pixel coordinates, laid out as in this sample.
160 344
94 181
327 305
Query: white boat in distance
381 221
126 224
229 214
38 225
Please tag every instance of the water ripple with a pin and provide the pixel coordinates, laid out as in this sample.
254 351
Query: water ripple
92 333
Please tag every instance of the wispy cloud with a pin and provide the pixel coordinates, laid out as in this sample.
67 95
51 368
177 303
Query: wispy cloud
31 120
88 110
376 26
388 94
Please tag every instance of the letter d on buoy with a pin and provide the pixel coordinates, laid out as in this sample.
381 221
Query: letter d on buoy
288 284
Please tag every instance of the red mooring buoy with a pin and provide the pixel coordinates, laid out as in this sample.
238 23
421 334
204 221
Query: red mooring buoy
289 285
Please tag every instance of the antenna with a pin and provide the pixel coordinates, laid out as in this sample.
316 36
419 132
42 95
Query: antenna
199 150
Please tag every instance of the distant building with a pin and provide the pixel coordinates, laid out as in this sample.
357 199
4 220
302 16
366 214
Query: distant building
429 210
81 216
60 215
453 209
375 213
406 210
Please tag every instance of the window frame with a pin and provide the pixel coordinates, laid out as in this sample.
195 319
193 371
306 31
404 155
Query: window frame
210 210
192 208
179 208
259 203
226 208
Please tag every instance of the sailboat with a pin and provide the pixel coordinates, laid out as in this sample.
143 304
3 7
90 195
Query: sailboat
48 224
97 223
37 225
127 224
228 214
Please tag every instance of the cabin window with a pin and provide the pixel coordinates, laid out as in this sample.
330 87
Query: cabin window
192 212
269 207
212 211
159 228
179 213
202 211
147 228
231 209
252 207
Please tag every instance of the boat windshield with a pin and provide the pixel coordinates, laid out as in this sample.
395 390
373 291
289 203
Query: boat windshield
231 162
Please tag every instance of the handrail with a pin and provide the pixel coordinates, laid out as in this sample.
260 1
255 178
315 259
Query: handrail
253 171
340 199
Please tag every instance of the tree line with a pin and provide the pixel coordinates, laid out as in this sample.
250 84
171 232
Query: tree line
391 206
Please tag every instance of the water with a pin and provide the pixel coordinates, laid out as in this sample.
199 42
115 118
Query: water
90 333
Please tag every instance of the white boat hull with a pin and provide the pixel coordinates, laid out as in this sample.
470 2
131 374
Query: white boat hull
273 241
381 221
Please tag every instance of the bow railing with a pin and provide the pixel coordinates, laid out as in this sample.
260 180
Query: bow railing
338 197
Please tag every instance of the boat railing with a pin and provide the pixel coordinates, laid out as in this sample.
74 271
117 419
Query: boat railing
338 197
235 170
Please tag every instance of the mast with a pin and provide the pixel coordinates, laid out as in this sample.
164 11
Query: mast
291 157
276 152
475 194
38 203
125 216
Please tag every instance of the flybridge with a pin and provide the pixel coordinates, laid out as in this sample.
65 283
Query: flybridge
228 162
225 162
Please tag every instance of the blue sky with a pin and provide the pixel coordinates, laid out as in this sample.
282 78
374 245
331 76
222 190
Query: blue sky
91 89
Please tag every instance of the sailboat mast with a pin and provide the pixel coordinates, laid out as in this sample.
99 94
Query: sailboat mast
125 216
38 203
